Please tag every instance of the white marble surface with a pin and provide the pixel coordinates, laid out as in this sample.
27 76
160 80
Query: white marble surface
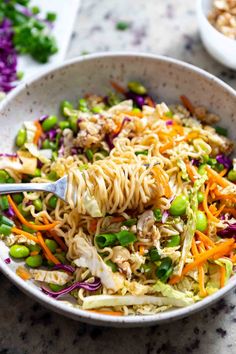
159 26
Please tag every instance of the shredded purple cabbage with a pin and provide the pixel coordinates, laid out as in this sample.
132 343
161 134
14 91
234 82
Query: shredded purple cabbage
169 122
126 119
7 260
195 162
109 141
8 155
224 160
84 285
164 216
51 134
66 267
74 151
9 212
8 57
138 99
42 118
228 232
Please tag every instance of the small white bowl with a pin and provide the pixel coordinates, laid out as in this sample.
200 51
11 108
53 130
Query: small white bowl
222 48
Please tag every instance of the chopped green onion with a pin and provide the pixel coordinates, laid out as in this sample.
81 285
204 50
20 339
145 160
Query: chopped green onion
125 237
28 229
55 287
157 214
51 16
64 105
122 25
144 152
129 222
20 75
6 221
35 10
164 268
113 266
167 275
83 106
18 198
146 268
154 255
4 205
221 131
89 154
169 114
105 240
5 229
174 241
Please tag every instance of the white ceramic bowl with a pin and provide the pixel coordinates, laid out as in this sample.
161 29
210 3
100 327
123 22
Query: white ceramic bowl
166 79
222 48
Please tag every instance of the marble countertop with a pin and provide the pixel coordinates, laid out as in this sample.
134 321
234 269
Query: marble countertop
163 27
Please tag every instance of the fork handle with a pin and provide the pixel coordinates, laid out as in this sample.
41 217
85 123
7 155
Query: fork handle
26 187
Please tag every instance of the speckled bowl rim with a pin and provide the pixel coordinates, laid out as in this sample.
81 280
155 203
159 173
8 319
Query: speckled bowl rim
91 317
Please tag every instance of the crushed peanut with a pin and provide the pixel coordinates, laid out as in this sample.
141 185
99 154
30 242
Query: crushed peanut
223 17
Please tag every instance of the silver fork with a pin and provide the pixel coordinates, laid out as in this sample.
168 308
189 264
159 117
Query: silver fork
59 188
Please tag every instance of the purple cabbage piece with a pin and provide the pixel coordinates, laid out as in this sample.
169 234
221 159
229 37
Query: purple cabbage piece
52 134
195 162
224 160
169 122
78 285
8 155
74 151
42 118
66 267
8 57
9 212
164 216
7 260
138 99
228 232
126 119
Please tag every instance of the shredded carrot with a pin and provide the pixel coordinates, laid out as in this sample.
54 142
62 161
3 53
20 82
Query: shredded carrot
216 177
23 273
230 196
47 251
205 239
93 225
205 206
191 171
219 251
191 136
117 87
149 102
58 239
230 211
38 133
187 104
109 313
141 250
27 223
162 180
117 219
167 146
222 276
213 208
219 211
34 253
31 237
233 259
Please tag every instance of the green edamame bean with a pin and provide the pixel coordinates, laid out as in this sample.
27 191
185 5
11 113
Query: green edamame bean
37 172
19 251
73 123
232 175
83 107
200 197
201 222
201 169
55 287
48 145
64 124
18 198
53 202
49 123
137 88
10 180
21 137
38 204
34 261
34 248
178 206
65 104
51 244
173 241
96 109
